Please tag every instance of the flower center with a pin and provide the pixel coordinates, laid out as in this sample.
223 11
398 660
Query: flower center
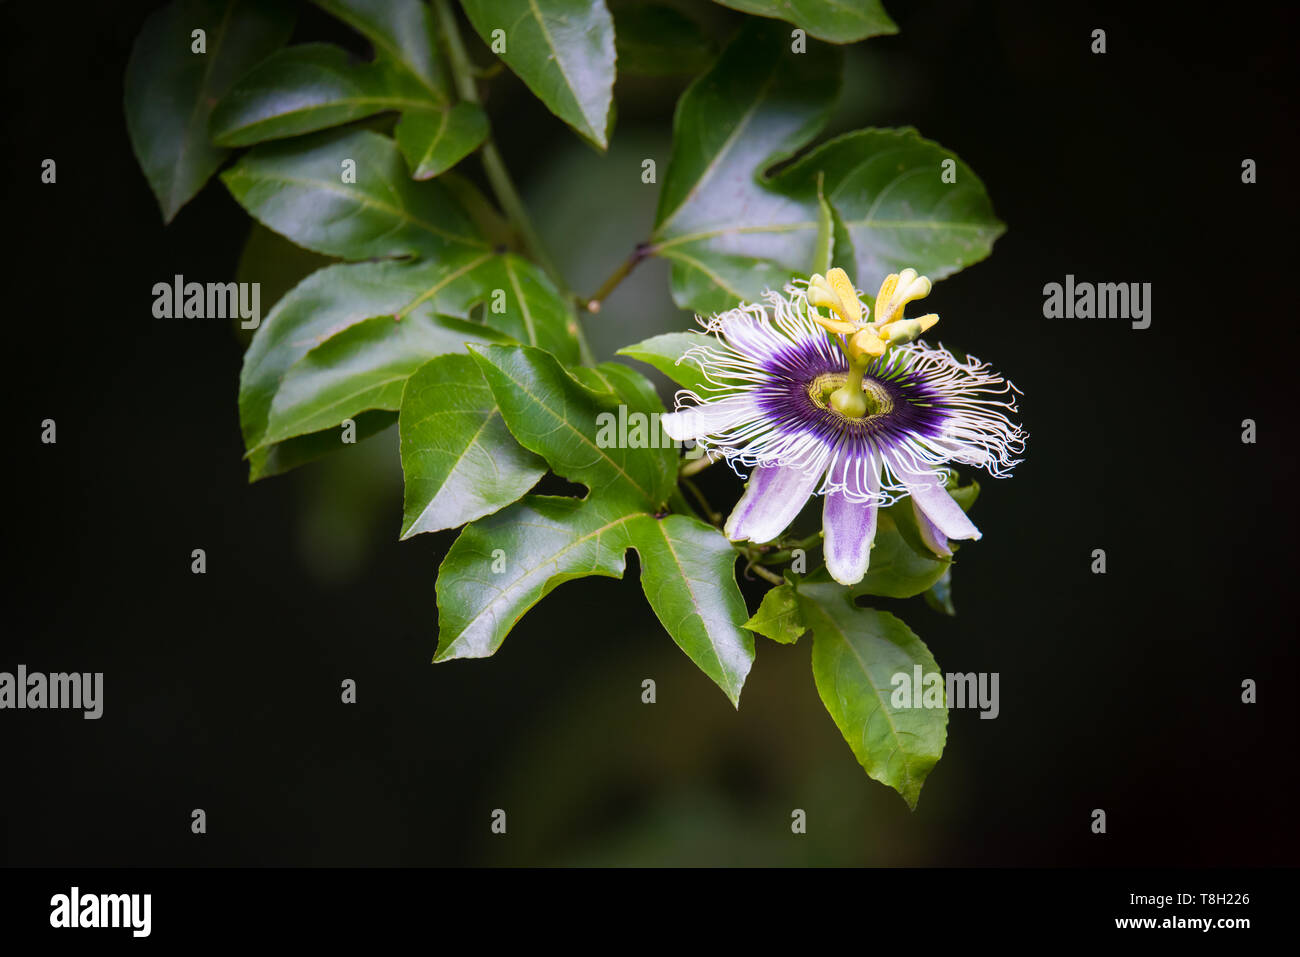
879 401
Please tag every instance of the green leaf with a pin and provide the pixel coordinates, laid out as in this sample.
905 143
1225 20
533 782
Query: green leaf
563 50
939 597
902 565
568 423
728 234
899 569
170 90
485 217
434 141
887 187
665 353
308 88
833 20
688 572
532 310
778 616
340 297
965 495
458 458
626 383
824 248
731 233
856 654
402 34
275 264
502 565
364 367
277 459
322 305
654 39
316 86
297 189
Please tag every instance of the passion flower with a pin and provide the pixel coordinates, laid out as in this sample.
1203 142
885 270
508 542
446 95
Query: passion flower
853 409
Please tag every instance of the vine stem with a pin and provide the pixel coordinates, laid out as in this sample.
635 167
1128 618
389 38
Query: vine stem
463 73
763 573
593 302
713 517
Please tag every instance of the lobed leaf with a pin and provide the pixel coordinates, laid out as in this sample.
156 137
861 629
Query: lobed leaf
459 460
402 34
558 417
688 573
502 565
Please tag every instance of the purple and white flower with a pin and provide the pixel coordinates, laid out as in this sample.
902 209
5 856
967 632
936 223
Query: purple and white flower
783 403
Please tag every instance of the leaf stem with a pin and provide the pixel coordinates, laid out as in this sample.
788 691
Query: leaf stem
713 517
677 502
811 541
463 72
695 466
593 302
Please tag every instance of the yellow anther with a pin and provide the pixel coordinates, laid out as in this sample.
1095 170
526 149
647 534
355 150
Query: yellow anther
835 291
905 330
820 292
866 342
837 326
928 320
850 308
886 293
895 295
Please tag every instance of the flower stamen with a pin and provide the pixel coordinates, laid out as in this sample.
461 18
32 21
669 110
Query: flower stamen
835 292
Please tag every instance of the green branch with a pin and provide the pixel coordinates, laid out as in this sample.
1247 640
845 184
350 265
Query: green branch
463 73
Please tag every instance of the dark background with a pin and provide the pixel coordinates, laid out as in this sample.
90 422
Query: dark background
1119 692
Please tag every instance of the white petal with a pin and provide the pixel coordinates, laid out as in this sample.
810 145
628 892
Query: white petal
772 499
934 539
848 522
750 334
929 495
709 418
